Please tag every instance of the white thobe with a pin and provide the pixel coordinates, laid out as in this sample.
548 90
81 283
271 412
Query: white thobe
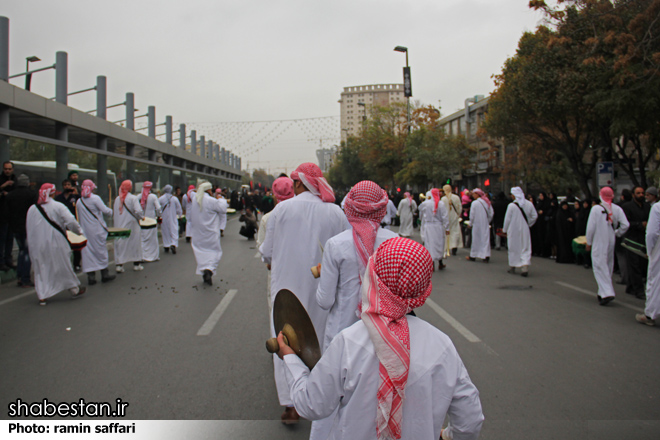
261 232
206 232
95 254
601 235
339 288
347 378
454 208
435 227
390 214
186 204
128 249
652 309
50 252
519 238
150 246
223 217
297 228
481 214
170 212
405 213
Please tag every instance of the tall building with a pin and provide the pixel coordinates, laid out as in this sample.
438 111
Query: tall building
357 100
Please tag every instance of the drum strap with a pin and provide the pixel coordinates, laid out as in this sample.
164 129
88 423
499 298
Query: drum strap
131 213
523 213
90 211
52 223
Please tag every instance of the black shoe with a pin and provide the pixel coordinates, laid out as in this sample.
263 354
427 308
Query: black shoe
173 249
108 278
486 260
187 239
454 251
207 277
524 274
605 301
512 270
640 295
167 250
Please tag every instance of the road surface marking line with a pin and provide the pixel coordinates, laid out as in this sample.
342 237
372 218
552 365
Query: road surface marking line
14 298
467 334
210 323
587 292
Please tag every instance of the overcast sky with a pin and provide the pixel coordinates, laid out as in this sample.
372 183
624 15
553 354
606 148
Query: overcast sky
211 62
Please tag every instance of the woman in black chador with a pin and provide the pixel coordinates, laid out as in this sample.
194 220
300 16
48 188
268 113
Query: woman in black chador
565 234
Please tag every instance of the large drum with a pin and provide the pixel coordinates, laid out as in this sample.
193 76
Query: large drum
148 223
231 211
118 233
579 245
77 242
634 247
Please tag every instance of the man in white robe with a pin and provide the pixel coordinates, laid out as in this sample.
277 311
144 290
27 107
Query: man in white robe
297 229
206 212
606 222
91 210
455 209
49 248
127 214
345 256
406 211
170 213
186 205
652 309
436 226
519 218
389 215
351 382
481 214
151 207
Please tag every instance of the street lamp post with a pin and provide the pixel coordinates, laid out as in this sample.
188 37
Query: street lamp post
407 84
28 75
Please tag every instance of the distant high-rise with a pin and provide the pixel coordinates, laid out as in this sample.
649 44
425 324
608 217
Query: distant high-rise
357 100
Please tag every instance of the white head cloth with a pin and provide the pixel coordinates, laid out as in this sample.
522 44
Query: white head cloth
201 190
518 194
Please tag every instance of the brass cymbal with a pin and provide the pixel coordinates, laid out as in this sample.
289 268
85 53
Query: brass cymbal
299 332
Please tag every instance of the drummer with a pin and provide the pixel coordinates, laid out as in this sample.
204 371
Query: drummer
519 218
170 226
50 252
127 215
90 213
151 207
366 369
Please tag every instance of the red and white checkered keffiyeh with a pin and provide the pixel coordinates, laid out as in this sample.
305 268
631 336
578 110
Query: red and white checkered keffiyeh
312 177
435 192
607 195
44 193
146 190
482 195
365 207
191 188
124 189
283 188
398 279
87 188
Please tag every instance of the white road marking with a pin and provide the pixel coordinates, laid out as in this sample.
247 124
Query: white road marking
14 298
210 323
257 255
587 292
467 334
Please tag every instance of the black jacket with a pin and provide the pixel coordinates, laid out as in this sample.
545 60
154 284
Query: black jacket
17 203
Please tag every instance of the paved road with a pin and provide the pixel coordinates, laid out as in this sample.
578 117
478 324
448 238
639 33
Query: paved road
548 361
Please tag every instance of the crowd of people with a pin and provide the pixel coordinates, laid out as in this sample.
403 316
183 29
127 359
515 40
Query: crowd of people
369 278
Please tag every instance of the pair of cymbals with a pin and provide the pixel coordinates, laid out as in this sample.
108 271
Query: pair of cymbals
291 318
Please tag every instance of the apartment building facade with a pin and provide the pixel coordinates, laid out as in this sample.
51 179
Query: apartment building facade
356 102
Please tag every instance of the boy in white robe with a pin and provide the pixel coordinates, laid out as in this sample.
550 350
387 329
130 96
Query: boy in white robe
436 224
455 209
151 207
206 211
170 212
606 222
519 218
127 214
297 228
365 370
91 210
652 309
481 214
389 215
406 212
49 248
